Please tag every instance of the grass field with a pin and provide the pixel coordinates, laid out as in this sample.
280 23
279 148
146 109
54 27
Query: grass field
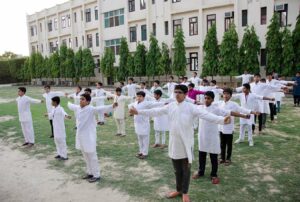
269 171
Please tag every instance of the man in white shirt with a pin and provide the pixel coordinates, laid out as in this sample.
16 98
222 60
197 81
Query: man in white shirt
246 78
131 88
25 117
195 79
181 141
170 86
48 95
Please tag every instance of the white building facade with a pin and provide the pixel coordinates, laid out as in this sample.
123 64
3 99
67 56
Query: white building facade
97 24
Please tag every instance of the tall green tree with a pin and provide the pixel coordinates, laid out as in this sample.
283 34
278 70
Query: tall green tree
165 61
229 52
130 65
249 51
70 64
55 65
31 65
39 65
179 59
288 55
107 63
273 45
122 72
296 43
78 64
47 66
88 63
62 60
140 60
211 52
153 57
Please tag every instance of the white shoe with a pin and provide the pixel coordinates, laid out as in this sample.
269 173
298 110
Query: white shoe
251 144
238 141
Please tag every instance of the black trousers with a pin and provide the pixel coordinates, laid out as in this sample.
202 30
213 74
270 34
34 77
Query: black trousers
272 110
182 169
51 124
297 99
260 118
202 163
226 142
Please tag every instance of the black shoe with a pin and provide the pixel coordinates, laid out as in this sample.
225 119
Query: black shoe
26 143
100 123
64 159
52 136
86 177
57 157
94 179
30 144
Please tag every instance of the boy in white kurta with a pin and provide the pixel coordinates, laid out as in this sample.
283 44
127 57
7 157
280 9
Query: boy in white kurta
170 86
246 78
25 117
131 88
181 141
58 116
86 138
48 95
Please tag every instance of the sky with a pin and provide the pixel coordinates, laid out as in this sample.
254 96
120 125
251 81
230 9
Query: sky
13 28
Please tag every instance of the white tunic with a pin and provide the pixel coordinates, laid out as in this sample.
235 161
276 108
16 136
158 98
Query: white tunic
131 89
48 97
171 87
101 94
195 80
119 111
181 119
161 123
208 134
24 107
58 116
86 125
76 97
246 78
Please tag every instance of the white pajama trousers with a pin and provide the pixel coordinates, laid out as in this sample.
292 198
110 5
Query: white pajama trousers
143 144
243 128
27 129
120 126
157 137
61 147
91 161
101 117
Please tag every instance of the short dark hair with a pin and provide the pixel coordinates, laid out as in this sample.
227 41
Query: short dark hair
80 88
257 74
191 85
142 82
118 89
185 77
247 85
56 99
157 81
210 94
205 80
228 90
195 73
100 83
269 74
122 83
141 93
183 88
23 89
47 86
88 90
171 77
131 79
158 92
87 97
263 80
213 81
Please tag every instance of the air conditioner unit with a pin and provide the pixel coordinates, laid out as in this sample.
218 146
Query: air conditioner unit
279 7
228 14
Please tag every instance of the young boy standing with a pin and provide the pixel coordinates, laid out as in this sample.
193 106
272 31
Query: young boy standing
170 86
25 117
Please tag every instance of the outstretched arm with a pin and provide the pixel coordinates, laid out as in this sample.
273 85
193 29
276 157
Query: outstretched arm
34 101
72 107
150 112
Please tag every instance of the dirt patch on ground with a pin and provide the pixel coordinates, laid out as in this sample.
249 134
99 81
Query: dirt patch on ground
3 101
6 118
281 134
146 171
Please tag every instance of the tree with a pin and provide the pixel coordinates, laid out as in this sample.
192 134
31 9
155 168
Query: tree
24 73
211 51
153 58
78 64
165 61
7 55
229 58
62 60
296 43
39 65
31 66
122 72
107 63
70 64
54 65
287 53
130 65
249 51
140 60
47 66
273 45
179 60
88 64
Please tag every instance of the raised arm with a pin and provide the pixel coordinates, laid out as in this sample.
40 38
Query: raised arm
238 77
72 107
151 112
34 101
203 114
103 109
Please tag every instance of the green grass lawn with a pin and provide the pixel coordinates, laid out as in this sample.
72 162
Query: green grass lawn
269 171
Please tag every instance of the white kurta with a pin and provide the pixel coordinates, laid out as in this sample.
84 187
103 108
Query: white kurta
48 97
217 92
246 78
76 97
181 116
208 133
24 107
195 80
58 116
86 125
170 86
131 89
119 111
161 123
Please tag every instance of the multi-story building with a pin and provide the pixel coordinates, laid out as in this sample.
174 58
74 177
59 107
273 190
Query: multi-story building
97 24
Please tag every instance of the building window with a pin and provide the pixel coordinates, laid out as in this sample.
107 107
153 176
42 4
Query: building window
88 15
82 39
263 15
211 19
69 20
96 13
55 24
64 42
193 26
154 29
144 32
41 27
89 40
63 22
153 1
114 45
131 5
282 10
50 26
32 49
97 39
114 18
70 43
176 25
229 19
76 41
142 4
75 17
42 47
194 61
51 47
132 34
175 1
32 30
263 57
166 27
81 13
244 18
